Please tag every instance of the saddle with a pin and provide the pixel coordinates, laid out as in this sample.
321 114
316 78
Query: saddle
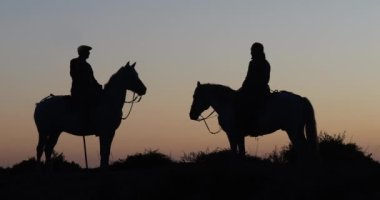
249 109
82 112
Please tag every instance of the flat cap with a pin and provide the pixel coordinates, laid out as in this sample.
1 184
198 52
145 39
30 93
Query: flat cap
83 48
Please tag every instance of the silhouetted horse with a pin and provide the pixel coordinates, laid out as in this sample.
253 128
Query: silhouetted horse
283 110
54 114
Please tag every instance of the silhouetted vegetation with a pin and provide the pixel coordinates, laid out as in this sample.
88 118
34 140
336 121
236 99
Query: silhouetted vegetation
333 148
57 163
148 159
26 165
219 156
345 172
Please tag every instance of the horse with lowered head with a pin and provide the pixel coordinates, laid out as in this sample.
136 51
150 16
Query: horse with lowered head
283 110
55 114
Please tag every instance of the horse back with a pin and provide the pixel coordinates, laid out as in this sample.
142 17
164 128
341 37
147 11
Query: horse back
285 97
55 101
282 106
286 105
51 107
58 113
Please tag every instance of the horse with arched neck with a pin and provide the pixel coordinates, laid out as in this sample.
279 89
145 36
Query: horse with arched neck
283 110
54 114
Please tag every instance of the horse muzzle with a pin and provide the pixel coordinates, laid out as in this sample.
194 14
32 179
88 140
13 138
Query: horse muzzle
193 116
142 92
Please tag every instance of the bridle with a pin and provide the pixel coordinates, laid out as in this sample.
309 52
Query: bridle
135 99
207 126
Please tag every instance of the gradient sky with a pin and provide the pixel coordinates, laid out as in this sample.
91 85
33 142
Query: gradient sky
325 50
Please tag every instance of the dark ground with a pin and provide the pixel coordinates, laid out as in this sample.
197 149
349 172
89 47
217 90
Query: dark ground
344 172
247 179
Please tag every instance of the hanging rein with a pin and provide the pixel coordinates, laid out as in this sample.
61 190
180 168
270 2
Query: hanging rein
207 126
135 99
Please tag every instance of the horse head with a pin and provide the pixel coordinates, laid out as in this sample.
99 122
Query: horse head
200 102
132 80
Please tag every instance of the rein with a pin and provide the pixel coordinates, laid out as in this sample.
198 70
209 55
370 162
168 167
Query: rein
207 126
134 99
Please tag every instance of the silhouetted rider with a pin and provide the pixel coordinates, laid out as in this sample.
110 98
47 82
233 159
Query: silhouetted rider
85 90
255 89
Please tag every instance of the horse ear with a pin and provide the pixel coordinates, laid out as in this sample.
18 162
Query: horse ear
133 65
126 65
198 83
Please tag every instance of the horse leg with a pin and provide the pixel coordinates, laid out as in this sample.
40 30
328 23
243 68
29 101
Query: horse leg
105 141
42 137
241 145
50 144
233 143
299 142
237 144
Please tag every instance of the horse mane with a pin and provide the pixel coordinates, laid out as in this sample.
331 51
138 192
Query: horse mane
220 90
114 80
219 87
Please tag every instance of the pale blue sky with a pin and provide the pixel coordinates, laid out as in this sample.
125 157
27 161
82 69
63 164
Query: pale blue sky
324 50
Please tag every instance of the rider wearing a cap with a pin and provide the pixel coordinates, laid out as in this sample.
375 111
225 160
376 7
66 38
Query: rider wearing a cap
85 90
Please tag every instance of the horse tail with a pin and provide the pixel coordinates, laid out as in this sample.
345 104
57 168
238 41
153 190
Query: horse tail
311 127
41 137
41 124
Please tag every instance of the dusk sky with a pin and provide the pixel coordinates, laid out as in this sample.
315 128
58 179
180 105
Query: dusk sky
327 51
